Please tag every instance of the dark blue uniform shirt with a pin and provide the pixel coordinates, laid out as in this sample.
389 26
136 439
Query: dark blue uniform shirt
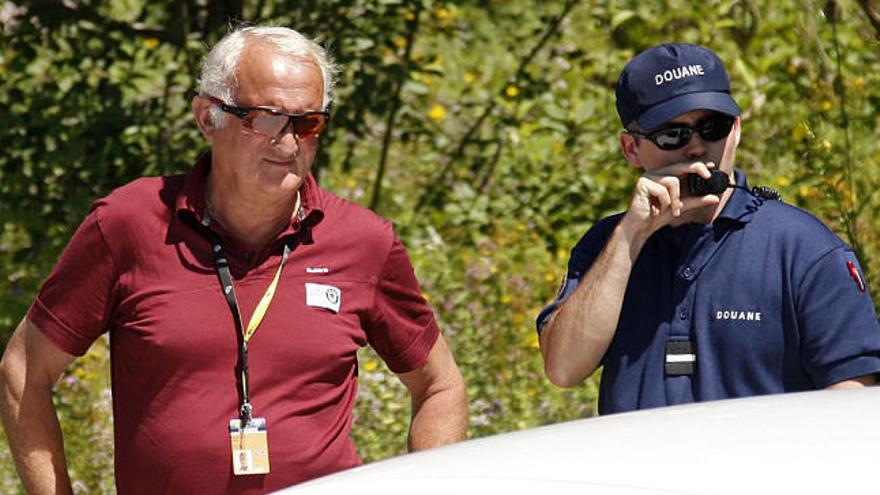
771 300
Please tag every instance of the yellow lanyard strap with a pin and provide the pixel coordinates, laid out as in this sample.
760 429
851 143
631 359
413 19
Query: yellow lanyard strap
266 300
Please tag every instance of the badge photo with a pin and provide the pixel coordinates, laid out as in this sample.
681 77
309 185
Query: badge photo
250 447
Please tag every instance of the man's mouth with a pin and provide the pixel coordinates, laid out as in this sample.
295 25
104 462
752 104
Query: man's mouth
279 163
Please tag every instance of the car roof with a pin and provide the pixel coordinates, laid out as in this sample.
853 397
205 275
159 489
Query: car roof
812 442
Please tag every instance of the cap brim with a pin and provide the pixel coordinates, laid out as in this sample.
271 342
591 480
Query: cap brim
660 114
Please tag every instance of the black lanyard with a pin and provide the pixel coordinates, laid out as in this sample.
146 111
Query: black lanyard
223 272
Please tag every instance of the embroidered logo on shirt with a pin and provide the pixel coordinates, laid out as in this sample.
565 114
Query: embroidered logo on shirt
857 277
317 269
734 314
323 296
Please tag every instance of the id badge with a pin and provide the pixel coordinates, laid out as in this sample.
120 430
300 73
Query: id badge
250 447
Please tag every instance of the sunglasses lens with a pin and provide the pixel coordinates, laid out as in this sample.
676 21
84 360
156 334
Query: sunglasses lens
672 138
266 123
712 129
716 128
271 124
309 125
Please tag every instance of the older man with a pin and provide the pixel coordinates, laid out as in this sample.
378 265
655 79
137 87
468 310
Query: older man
236 297
703 289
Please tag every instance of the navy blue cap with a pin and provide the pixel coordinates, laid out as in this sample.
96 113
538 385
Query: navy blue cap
669 80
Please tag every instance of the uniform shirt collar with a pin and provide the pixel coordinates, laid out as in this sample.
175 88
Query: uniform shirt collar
742 204
739 208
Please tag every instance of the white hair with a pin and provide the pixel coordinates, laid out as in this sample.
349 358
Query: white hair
218 78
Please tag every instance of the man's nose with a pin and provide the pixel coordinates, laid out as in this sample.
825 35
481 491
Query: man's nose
287 138
696 147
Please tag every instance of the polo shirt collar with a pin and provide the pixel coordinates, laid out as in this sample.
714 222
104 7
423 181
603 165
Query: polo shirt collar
739 208
742 204
191 199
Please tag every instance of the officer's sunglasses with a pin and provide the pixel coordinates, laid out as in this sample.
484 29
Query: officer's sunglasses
675 136
273 123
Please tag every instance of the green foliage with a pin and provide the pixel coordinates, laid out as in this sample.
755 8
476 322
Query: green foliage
485 130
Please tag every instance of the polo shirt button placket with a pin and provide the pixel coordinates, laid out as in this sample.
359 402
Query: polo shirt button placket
687 273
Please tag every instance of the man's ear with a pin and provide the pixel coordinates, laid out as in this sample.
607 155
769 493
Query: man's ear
630 148
201 108
737 128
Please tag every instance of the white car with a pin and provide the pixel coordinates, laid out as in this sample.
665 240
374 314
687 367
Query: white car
823 442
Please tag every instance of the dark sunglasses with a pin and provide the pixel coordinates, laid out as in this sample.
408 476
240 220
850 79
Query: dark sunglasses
675 136
273 123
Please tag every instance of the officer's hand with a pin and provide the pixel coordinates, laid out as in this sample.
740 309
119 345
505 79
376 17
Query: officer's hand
659 198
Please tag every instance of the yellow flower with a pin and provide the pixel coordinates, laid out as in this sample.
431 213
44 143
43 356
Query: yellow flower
400 42
505 299
350 183
409 15
469 77
782 181
532 340
151 42
426 296
443 13
826 145
826 105
511 90
858 81
549 277
370 365
437 112
805 191
801 132
561 254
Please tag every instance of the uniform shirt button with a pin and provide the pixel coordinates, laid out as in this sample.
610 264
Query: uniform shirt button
683 314
688 273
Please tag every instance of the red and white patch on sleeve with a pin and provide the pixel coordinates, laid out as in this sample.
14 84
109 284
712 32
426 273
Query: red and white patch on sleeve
854 273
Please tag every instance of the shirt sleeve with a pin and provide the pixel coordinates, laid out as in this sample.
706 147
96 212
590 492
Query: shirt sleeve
841 336
402 326
74 305
582 258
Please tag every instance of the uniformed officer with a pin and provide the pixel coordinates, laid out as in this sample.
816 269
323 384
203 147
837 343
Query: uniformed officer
703 289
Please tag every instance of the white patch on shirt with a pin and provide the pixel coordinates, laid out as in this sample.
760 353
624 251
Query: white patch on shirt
323 296
317 269
735 314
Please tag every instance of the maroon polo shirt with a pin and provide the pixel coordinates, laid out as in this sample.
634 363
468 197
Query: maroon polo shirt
140 267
